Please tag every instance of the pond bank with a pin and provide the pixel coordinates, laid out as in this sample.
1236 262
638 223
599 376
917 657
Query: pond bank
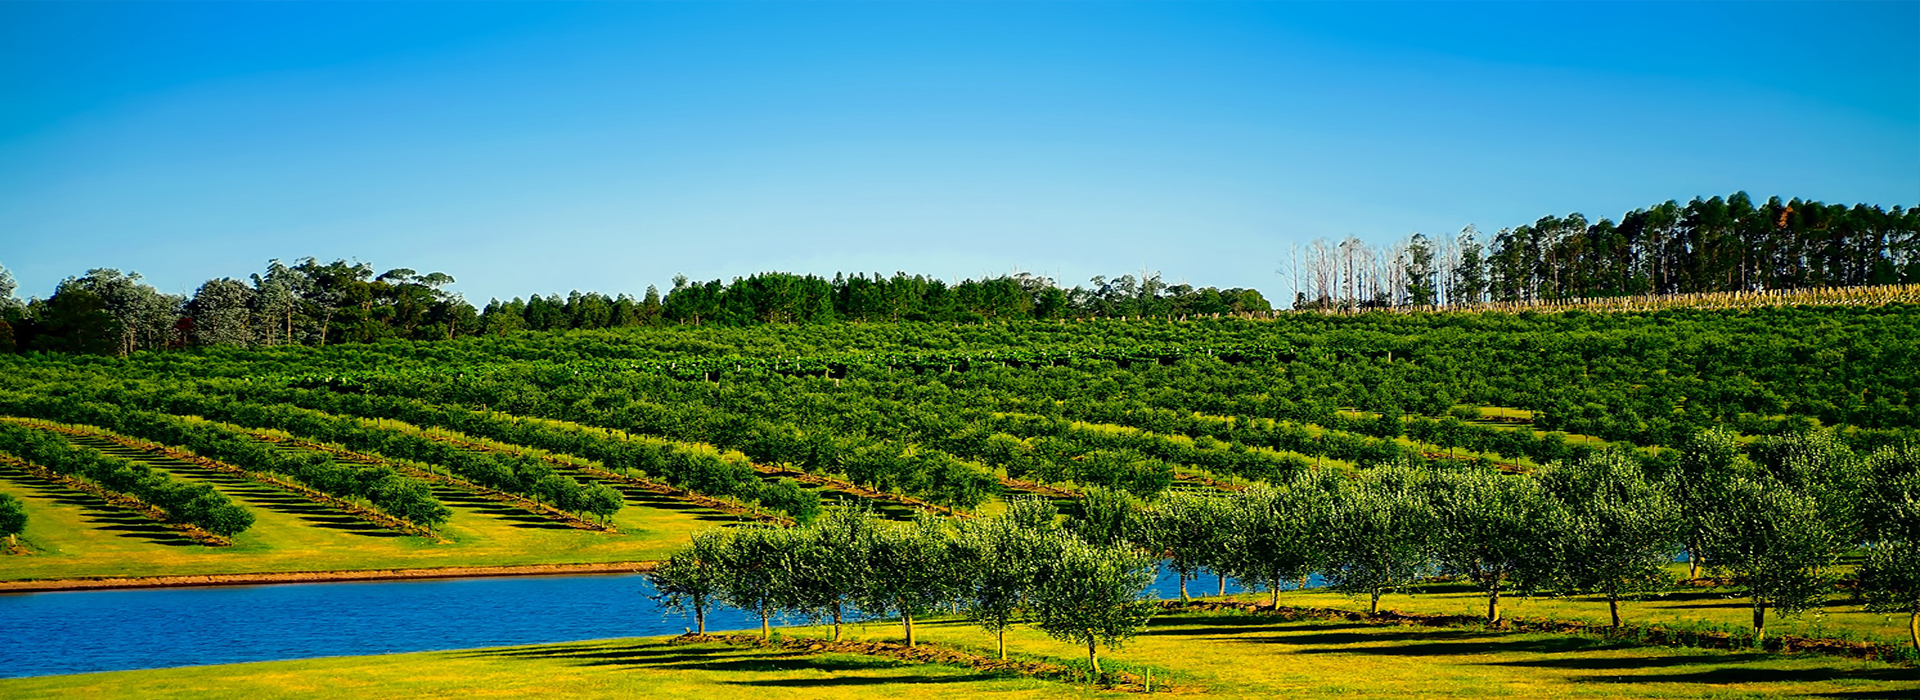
253 579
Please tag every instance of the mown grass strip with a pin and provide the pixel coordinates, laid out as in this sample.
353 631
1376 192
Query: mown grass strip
361 511
119 500
1650 635
429 473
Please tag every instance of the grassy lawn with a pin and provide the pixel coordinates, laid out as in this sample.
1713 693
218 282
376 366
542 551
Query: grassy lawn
1204 654
75 535
1839 619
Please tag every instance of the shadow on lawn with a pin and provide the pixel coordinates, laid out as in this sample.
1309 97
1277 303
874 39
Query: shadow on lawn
713 658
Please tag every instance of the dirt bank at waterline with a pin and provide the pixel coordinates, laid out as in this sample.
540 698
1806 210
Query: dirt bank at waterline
109 582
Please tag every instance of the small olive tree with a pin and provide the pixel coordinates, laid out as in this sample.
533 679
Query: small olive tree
1496 531
1622 527
1378 531
911 569
689 580
13 518
1093 595
1278 534
1890 576
1001 559
1185 528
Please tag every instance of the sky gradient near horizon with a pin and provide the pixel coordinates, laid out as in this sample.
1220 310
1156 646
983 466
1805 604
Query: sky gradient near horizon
540 148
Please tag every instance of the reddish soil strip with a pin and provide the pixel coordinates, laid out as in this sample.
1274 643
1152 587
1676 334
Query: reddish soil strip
103 583
637 482
1209 482
926 653
858 490
1037 488
1646 634
121 500
359 511
449 481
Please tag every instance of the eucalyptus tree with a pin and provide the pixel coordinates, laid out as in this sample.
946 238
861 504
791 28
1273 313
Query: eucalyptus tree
1002 557
1092 594
1185 528
13 518
911 568
1494 530
1622 527
691 579
222 313
1279 534
1378 532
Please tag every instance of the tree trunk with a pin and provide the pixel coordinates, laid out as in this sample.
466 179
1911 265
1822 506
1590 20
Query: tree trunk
1913 628
1493 606
700 617
836 623
906 618
1276 594
1693 563
1375 607
1303 580
1002 636
1223 585
1183 588
1613 606
1093 659
1759 621
766 623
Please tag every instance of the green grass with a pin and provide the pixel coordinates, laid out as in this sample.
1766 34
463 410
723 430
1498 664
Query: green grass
1204 654
1839 618
75 535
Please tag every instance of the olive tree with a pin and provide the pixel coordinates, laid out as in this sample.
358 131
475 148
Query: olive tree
1621 529
1108 517
13 518
1377 533
912 569
826 562
1494 530
1185 528
1001 560
1775 542
750 571
1890 575
1278 534
690 579
1091 594
1708 464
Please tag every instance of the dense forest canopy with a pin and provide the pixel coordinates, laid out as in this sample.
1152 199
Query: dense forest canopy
1707 245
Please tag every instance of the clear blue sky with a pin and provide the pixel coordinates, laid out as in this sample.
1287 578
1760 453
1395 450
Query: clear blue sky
548 147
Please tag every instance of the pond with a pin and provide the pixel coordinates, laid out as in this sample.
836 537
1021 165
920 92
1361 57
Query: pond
79 632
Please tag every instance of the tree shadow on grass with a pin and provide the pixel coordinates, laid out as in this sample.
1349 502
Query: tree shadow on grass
916 679
1730 675
1479 644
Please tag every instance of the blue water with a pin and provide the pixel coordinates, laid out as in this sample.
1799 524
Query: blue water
85 631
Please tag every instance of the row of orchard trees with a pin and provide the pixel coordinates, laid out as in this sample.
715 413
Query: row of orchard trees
1775 519
1018 566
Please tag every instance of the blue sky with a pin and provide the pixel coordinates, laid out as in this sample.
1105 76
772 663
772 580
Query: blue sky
539 148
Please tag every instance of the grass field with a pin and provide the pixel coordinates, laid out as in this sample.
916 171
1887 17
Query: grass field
1202 654
1840 618
75 535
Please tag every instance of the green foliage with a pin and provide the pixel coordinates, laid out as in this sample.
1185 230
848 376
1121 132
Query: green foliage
13 516
1378 532
1091 595
1496 531
194 503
